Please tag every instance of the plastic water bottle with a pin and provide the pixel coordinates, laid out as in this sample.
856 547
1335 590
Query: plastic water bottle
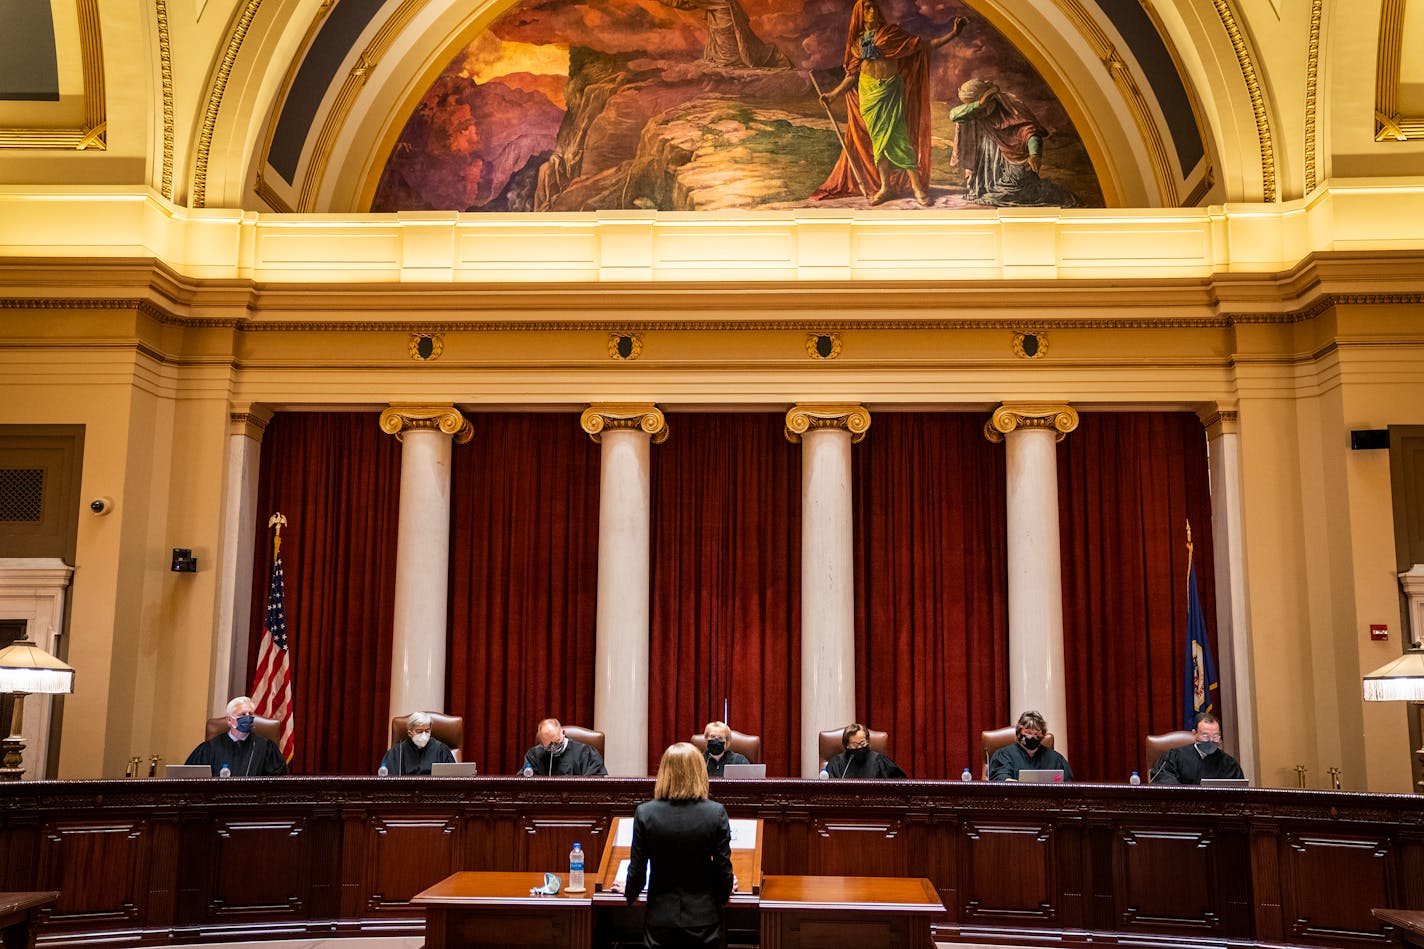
576 867
528 771
1134 778
383 771
824 774
226 772
965 775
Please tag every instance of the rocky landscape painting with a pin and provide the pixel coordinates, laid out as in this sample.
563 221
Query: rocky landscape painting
703 105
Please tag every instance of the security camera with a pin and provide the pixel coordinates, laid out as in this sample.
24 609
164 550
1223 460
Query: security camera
101 505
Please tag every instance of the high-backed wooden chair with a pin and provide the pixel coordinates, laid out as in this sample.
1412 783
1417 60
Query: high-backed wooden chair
588 736
993 739
830 742
1158 745
447 728
742 743
268 728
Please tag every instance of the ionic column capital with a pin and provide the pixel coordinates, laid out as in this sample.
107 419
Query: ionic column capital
1059 418
603 417
249 420
402 417
846 416
1219 418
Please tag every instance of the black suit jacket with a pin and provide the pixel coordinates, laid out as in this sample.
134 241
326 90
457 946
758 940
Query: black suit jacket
690 846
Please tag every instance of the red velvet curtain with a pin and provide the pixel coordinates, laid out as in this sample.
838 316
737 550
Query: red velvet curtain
930 610
336 477
726 497
523 581
1127 485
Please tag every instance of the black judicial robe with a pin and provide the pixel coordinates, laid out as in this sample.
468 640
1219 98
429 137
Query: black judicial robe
405 758
1185 765
875 765
254 756
716 767
1007 762
577 759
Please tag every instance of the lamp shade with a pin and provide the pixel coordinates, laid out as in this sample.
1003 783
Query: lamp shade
1400 681
26 668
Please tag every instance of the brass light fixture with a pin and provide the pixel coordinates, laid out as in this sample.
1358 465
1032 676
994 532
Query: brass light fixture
26 669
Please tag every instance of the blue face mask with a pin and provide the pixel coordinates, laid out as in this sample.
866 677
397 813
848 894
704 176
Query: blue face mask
244 724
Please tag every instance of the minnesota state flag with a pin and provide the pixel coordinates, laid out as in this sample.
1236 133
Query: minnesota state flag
1201 681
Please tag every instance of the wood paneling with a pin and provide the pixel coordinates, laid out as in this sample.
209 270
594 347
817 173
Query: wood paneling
152 862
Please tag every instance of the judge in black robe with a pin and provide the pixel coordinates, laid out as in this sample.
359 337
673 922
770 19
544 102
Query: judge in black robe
558 754
858 761
245 753
718 755
406 758
1203 758
1027 753
870 764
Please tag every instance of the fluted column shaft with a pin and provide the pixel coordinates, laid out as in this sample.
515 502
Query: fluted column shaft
620 692
827 569
239 540
1036 676
422 553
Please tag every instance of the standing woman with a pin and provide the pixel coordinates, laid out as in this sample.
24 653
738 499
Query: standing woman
689 842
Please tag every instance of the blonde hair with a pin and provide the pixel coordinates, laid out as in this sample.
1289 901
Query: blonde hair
682 774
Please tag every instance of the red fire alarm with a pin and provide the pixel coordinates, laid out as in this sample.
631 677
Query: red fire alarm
1379 632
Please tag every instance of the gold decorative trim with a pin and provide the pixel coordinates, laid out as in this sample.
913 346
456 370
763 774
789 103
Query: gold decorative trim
1390 125
1258 101
402 417
635 345
1195 198
93 133
270 196
1040 344
165 64
1012 416
215 97
848 417
622 416
1312 72
437 346
346 99
813 348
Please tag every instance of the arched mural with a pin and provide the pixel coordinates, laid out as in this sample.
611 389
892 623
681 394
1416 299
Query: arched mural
695 105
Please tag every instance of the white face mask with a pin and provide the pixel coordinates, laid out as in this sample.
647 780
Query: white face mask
420 739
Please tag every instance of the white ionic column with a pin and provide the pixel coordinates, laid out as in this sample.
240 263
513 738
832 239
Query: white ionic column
422 552
620 689
1233 619
827 569
239 537
1030 433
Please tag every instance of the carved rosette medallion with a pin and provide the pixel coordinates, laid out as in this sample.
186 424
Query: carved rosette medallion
610 417
401 417
848 417
1012 416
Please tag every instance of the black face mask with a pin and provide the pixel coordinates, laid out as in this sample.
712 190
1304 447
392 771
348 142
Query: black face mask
1030 743
858 755
716 746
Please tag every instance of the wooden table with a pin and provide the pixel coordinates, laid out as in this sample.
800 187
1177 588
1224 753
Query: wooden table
485 909
868 912
1408 925
18 912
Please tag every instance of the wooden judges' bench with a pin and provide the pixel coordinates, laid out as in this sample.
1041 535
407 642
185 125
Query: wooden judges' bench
146 862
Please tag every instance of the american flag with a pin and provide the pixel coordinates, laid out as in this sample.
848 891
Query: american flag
272 686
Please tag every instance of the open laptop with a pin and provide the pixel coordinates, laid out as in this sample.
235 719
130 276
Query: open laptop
744 771
453 769
1226 782
1041 776
187 771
